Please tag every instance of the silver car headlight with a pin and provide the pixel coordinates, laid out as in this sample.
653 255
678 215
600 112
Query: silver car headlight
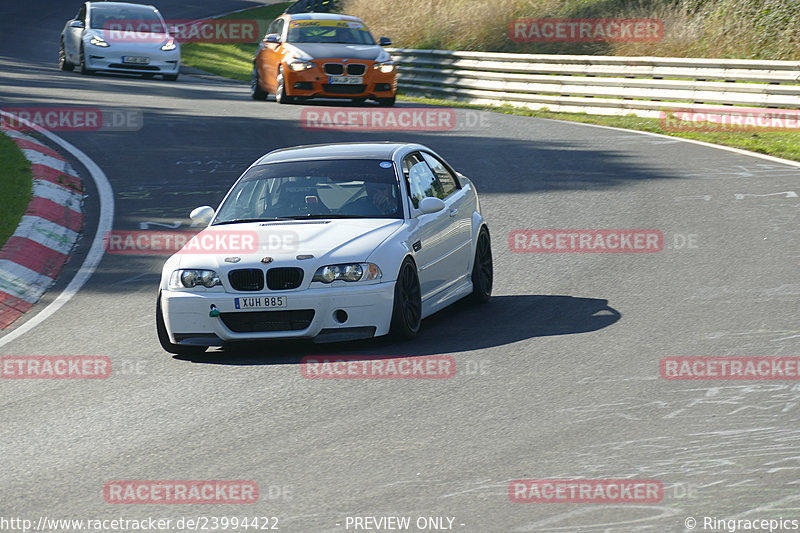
188 278
169 45
347 272
298 65
386 67
98 41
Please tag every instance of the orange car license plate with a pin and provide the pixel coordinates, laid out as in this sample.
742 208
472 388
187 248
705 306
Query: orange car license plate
346 80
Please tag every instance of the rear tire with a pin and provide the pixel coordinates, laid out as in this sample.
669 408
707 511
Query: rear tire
482 269
63 63
407 308
280 93
386 102
163 337
256 92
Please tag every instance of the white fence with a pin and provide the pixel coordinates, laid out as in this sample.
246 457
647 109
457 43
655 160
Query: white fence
605 85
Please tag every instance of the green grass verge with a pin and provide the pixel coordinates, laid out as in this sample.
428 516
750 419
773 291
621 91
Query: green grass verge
233 60
16 182
778 144
236 61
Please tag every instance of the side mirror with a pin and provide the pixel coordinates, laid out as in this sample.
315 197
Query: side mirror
76 24
202 215
430 205
385 41
272 38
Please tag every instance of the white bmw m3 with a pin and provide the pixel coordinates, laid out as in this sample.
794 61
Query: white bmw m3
328 242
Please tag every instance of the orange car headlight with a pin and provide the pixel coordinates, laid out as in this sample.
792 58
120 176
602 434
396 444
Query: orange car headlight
299 65
386 67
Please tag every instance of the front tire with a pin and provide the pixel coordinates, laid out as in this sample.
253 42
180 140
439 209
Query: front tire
482 269
386 102
280 93
170 77
256 92
163 336
63 63
407 308
83 68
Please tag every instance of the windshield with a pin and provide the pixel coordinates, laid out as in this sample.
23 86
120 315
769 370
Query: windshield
341 188
105 17
328 31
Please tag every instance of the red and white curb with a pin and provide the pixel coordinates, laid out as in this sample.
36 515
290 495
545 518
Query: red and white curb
35 254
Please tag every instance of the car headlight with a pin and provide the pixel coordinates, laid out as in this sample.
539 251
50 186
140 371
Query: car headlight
347 272
386 67
298 65
188 278
169 45
98 41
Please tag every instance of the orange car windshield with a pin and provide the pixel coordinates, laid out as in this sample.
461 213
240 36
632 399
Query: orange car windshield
329 34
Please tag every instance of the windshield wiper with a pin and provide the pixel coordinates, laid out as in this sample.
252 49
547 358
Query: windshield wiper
329 215
242 220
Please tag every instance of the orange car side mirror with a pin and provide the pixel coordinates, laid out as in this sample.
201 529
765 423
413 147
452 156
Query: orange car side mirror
272 38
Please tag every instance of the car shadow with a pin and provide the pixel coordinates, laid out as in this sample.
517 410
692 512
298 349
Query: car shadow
462 327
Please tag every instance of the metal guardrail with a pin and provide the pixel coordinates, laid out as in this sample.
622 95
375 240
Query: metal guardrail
606 85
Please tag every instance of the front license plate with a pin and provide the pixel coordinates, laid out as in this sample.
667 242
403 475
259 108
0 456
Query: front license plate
346 80
261 302
136 60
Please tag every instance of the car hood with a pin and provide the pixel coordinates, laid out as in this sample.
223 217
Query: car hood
336 240
368 52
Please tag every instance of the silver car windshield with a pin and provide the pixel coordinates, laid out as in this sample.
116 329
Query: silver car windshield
340 188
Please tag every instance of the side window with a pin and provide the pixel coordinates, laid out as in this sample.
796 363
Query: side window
447 180
81 14
421 180
276 26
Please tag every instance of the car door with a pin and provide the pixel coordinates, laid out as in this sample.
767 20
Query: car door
73 36
434 241
271 55
460 204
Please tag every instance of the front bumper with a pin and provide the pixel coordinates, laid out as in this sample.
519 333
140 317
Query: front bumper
188 321
111 59
313 83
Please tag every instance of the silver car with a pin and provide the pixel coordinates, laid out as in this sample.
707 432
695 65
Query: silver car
119 37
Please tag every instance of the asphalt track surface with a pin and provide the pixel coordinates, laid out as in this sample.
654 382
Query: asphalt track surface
557 377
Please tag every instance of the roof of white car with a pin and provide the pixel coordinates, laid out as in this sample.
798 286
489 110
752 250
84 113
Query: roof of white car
373 150
118 4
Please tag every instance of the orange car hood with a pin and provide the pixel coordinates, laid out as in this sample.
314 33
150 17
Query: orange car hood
369 52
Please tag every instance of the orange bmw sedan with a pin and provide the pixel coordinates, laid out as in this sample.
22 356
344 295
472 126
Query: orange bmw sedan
322 55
